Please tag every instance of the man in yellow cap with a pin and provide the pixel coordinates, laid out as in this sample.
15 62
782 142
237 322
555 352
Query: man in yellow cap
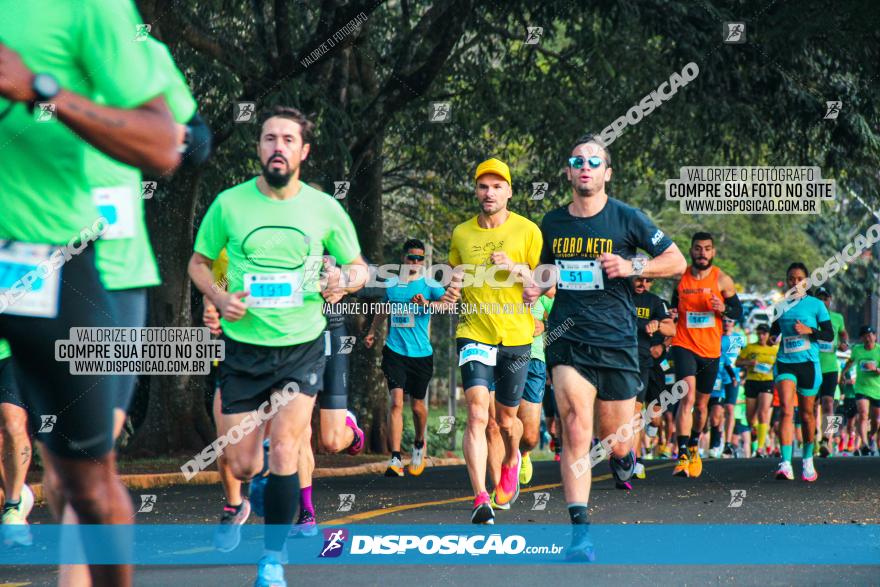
493 253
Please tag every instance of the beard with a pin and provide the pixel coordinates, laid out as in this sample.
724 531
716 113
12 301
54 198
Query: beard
701 264
275 178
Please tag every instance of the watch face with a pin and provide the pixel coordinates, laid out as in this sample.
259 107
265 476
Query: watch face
45 85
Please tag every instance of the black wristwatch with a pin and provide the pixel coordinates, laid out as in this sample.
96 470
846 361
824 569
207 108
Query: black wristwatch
45 86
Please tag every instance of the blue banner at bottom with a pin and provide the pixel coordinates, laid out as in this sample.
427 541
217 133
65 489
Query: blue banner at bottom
644 544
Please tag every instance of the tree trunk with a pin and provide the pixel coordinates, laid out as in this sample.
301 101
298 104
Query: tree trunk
176 419
370 396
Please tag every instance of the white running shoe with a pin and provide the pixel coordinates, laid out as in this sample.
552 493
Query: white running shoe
16 531
784 471
809 474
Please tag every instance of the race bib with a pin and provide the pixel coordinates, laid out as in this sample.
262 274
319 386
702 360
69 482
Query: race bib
328 349
763 368
700 319
795 344
717 386
403 320
826 346
116 204
580 275
273 290
664 364
669 378
867 366
25 290
475 351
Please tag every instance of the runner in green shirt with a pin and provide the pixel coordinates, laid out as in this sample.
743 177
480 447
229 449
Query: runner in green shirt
275 229
866 358
58 57
830 372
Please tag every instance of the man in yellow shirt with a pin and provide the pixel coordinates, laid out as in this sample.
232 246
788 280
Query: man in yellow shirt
758 358
492 253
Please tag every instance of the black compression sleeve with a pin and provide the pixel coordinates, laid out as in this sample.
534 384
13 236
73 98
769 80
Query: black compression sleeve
775 329
825 332
733 307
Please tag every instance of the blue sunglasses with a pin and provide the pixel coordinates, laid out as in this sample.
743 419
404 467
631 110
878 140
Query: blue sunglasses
578 162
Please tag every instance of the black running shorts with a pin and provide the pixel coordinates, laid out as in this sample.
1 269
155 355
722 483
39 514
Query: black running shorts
411 374
688 363
613 372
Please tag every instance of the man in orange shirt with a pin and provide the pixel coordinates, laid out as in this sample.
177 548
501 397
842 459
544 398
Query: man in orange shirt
703 296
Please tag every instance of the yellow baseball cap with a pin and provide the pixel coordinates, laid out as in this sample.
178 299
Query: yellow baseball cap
493 166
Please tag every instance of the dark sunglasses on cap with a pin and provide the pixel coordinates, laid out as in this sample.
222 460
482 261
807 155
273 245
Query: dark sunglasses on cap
416 257
578 162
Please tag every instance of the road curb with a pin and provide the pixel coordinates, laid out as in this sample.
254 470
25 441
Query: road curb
157 480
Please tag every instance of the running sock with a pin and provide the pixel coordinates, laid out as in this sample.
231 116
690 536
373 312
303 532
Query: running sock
682 445
786 452
578 513
281 500
808 451
418 444
305 499
237 508
395 454
11 505
762 434
714 437
694 440
754 445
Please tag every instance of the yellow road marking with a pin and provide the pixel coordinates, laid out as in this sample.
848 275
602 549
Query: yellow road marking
14 584
412 506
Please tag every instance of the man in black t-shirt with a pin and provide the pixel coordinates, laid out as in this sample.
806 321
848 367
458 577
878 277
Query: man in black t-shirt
591 244
653 324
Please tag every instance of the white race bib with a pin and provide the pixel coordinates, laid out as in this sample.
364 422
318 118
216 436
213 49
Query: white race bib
403 320
867 366
664 364
580 275
826 346
669 378
795 344
763 368
701 319
273 290
116 204
717 386
23 289
475 351
328 348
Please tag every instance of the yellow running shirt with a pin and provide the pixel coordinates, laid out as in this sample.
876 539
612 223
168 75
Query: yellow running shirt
495 315
765 357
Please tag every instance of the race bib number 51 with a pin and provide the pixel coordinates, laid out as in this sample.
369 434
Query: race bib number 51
580 275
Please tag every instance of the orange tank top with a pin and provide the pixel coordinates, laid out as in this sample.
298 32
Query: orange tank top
699 326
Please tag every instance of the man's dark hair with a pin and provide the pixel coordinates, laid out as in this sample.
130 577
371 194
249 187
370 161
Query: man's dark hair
306 126
413 243
591 138
702 236
797 265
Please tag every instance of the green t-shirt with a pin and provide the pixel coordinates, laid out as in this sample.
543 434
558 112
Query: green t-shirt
867 382
90 48
540 310
828 350
5 351
124 256
267 242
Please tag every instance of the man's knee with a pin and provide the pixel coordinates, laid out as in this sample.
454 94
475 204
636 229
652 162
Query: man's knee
13 424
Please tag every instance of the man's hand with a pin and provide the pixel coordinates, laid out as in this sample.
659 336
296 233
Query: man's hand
615 266
211 318
231 307
717 304
652 326
419 300
15 77
657 350
501 259
331 282
370 339
801 329
531 294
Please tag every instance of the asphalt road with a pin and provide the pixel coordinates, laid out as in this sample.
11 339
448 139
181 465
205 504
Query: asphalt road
846 493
